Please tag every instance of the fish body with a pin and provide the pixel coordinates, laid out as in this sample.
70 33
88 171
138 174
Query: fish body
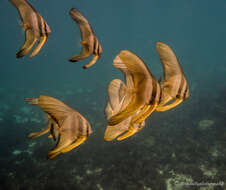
35 28
144 88
119 98
174 86
131 103
90 43
67 126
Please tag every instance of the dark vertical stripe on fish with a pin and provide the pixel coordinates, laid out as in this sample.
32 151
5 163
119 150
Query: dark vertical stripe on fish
45 28
94 46
179 91
154 91
186 90
39 23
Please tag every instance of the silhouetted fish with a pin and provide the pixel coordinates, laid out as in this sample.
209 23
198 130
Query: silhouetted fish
35 27
90 43
67 125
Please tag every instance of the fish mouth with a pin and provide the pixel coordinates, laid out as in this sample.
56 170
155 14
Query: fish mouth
118 63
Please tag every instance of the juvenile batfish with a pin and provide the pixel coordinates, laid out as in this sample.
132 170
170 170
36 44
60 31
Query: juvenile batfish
90 43
67 126
35 28
143 88
174 86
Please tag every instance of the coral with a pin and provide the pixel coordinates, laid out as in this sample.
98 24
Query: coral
178 181
215 151
207 188
95 171
20 119
146 188
26 110
208 172
205 124
16 152
99 187
148 142
32 144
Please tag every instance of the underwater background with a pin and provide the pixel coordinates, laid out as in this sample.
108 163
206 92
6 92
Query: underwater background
183 148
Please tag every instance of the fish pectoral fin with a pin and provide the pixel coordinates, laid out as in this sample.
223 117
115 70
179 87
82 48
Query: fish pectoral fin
79 141
144 113
78 57
84 42
92 62
40 133
42 41
131 131
169 106
50 136
51 156
133 106
28 44
34 135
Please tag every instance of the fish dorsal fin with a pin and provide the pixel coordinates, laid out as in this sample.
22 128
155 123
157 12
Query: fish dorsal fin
139 80
84 25
131 64
55 108
173 73
169 60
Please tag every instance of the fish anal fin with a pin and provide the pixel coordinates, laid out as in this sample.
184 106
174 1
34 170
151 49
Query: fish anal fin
144 113
112 132
79 141
28 44
51 156
92 62
42 41
131 131
169 106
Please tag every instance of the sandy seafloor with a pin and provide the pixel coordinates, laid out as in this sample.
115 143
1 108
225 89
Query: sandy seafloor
170 150
180 149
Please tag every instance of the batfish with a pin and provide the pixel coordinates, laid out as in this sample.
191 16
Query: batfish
174 86
90 43
144 91
35 28
67 125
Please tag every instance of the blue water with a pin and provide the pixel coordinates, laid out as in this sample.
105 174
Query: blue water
171 148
